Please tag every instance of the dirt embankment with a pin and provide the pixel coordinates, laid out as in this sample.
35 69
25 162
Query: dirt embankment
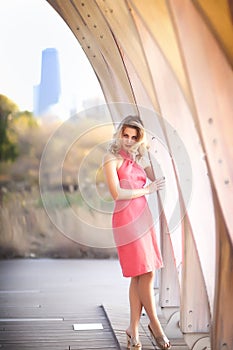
60 231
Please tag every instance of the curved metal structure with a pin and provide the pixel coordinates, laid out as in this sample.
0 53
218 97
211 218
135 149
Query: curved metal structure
174 57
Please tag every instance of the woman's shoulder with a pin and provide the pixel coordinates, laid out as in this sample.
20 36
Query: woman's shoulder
111 157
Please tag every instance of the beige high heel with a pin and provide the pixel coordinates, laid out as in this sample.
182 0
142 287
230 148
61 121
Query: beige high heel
128 339
133 343
162 342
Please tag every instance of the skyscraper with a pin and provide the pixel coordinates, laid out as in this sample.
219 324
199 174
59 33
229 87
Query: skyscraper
47 93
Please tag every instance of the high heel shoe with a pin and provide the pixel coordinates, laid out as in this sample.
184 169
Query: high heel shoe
128 339
133 343
162 342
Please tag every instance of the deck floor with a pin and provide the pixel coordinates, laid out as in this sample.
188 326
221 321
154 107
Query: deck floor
41 300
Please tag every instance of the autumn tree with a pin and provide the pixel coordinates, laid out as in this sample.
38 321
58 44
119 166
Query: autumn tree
15 130
8 144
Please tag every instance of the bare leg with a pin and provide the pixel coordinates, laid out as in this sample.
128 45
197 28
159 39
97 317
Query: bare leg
135 307
146 295
141 293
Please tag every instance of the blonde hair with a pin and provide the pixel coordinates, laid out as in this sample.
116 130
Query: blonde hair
139 148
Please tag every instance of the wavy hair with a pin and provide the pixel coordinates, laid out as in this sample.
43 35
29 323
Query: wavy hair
140 146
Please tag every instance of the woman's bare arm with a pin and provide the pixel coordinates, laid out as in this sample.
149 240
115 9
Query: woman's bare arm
145 163
150 173
110 170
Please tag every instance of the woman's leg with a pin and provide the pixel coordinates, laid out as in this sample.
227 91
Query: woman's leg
146 296
135 307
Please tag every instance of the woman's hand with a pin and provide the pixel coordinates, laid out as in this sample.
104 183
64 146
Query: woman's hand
156 185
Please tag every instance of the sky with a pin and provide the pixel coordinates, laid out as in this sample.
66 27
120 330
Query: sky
27 27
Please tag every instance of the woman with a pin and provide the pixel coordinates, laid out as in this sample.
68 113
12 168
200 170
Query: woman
126 171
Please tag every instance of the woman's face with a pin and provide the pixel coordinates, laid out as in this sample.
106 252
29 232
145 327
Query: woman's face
128 138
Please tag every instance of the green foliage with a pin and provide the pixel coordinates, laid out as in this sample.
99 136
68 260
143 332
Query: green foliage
59 200
24 119
8 145
15 126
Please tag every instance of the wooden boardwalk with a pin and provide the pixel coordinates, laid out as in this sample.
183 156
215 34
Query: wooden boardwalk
41 300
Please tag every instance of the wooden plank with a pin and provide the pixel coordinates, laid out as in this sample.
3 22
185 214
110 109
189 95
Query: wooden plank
117 13
211 81
223 306
181 119
156 17
118 316
29 327
95 37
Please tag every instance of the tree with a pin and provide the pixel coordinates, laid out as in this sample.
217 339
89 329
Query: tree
8 145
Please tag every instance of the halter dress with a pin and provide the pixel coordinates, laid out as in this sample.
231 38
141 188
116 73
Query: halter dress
133 226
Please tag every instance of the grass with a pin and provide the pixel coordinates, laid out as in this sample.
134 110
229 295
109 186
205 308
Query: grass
58 200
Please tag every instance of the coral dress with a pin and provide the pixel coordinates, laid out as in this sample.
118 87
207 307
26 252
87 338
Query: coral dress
133 226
